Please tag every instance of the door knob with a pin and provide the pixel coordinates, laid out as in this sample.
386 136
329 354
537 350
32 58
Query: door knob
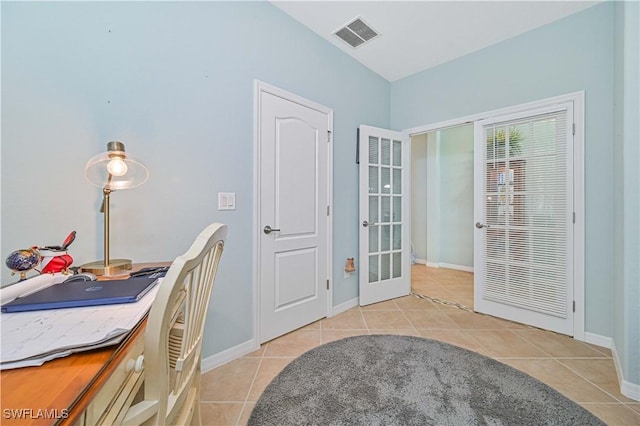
268 230
366 223
481 225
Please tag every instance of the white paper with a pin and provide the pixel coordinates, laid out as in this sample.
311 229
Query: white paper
37 335
23 288
41 359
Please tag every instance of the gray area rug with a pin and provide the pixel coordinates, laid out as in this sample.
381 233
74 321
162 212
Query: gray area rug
402 380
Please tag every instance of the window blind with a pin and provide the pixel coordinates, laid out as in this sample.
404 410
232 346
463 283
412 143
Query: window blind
526 212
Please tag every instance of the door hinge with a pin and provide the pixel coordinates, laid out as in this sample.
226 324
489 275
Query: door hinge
327 210
573 129
328 135
574 218
327 284
574 306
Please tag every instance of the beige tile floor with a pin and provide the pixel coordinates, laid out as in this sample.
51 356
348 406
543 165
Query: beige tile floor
582 372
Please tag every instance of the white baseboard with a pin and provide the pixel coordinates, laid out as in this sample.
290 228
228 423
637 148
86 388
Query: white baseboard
457 267
598 340
343 307
450 266
628 389
252 345
420 261
228 355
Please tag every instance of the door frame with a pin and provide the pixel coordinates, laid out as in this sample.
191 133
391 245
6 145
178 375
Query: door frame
578 180
262 87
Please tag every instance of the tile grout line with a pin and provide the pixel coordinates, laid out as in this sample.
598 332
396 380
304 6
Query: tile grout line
253 381
408 320
533 344
366 324
592 382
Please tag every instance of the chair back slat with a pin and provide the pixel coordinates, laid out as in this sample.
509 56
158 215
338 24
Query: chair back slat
175 328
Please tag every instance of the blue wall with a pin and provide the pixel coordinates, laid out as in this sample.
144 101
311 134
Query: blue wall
174 81
456 196
626 283
419 196
442 172
569 55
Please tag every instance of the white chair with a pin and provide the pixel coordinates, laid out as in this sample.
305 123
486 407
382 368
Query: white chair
173 337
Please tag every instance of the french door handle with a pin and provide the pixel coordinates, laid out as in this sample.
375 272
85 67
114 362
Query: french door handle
481 225
366 223
268 230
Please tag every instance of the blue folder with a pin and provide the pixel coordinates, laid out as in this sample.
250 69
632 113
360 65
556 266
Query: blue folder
83 293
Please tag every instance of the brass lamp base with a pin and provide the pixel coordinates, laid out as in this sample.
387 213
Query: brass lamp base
114 268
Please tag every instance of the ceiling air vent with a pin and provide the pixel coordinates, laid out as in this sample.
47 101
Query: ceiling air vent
356 33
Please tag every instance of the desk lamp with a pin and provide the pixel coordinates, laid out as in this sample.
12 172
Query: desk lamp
112 170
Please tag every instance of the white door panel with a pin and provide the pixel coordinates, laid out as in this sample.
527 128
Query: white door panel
523 253
296 161
385 225
295 277
293 258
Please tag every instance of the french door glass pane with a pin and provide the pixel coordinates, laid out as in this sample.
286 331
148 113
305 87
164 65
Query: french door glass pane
373 180
386 180
386 152
386 209
397 237
385 239
373 239
385 266
496 142
373 150
373 209
397 209
397 181
373 268
397 265
397 153
496 241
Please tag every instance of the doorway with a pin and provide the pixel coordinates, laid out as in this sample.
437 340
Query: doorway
441 211
528 246
442 197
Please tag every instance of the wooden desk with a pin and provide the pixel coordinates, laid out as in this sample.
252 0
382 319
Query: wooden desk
73 390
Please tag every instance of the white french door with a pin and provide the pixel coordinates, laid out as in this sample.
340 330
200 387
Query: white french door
384 197
523 243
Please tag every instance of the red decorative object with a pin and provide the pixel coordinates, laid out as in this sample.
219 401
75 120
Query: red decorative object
54 261
55 258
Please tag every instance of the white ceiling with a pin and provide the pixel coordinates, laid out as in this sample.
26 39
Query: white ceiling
416 35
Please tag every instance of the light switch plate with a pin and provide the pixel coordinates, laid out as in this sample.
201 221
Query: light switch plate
226 200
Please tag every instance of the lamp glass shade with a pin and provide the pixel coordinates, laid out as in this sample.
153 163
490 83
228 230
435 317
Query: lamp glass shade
115 170
112 170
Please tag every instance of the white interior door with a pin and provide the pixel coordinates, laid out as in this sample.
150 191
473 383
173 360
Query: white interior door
523 254
385 221
293 220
